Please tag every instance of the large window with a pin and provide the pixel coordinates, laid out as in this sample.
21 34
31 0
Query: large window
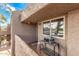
54 28
57 27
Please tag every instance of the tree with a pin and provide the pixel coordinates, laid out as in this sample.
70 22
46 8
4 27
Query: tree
2 20
7 7
2 17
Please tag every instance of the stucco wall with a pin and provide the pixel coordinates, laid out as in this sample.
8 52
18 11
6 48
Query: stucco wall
31 9
27 32
23 48
73 33
40 31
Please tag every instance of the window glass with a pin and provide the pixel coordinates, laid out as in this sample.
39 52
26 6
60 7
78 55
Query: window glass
60 29
46 28
54 28
57 27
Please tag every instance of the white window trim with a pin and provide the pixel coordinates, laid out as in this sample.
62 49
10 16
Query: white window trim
50 26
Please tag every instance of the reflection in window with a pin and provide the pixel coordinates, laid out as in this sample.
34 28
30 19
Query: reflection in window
57 27
54 28
46 28
60 29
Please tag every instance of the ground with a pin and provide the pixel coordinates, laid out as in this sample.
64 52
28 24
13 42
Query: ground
5 51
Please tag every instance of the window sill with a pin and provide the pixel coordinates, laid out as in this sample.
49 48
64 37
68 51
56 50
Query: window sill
58 37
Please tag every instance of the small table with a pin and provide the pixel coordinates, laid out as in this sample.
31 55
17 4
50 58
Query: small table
42 44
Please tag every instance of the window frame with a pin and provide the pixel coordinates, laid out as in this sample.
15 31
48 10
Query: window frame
50 26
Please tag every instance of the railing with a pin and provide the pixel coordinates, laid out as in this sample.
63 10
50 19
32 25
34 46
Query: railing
22 48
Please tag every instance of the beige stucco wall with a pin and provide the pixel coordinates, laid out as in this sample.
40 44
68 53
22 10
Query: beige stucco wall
73 33
40 31
31 9
23 48
26 32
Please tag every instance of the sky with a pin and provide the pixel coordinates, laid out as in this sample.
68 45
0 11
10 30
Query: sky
18 6
14 7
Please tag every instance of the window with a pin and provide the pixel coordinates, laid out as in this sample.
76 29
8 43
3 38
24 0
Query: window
53 28
57 27
46 28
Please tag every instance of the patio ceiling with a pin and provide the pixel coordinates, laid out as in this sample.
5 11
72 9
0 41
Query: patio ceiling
50 11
